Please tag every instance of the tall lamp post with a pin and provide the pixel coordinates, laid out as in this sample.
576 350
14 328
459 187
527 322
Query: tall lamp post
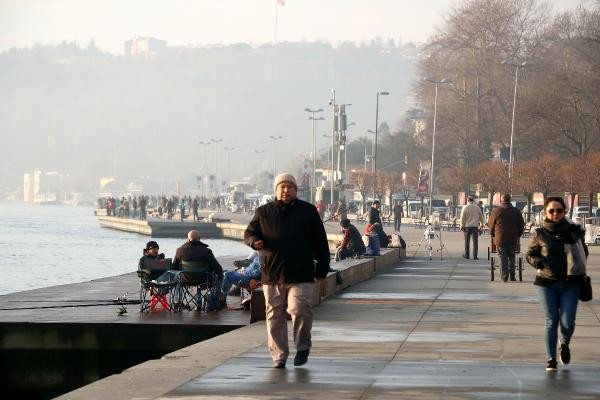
436 83
346 152
511 158
216 141
204 144
258 152
275 139
332 163
382 93
314 149
227 151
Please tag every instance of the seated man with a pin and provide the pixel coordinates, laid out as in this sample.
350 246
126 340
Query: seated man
241 277
150 253
352 244
384 239
195 250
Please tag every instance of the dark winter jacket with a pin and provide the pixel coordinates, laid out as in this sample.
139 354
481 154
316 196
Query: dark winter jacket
293 238
197 251
549 252
506 225
353 241
374 216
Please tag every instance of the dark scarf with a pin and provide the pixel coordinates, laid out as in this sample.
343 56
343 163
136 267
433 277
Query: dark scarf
560 229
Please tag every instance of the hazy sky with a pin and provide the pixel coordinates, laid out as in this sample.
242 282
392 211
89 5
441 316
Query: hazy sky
201 22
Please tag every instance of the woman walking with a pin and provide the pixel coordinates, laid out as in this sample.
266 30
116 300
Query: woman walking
556 252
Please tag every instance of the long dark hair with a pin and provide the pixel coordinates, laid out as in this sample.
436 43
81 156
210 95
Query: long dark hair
557 199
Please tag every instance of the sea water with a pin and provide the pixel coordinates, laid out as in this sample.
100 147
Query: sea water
48 245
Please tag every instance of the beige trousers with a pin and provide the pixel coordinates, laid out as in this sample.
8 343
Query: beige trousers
296 297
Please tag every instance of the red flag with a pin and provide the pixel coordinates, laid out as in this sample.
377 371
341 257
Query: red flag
281 2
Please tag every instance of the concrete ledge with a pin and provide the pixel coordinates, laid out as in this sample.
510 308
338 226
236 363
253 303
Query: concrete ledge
156 377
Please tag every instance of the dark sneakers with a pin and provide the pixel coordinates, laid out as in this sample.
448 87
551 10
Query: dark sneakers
301 357
565 354
551 365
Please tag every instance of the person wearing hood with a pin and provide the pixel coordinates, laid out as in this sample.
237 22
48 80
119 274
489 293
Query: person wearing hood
558 252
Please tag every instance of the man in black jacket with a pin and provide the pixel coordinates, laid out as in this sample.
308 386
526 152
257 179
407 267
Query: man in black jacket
374 213
290 236
195 250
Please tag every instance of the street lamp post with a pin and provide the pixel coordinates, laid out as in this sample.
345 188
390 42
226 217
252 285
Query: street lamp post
258 152
436 83
382 93
227 151
314 149
346 152
331 165
511 157
215 141
204 144
275 139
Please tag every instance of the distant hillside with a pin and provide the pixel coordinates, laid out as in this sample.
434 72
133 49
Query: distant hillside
79 110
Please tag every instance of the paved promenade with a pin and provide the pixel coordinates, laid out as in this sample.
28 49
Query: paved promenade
422 330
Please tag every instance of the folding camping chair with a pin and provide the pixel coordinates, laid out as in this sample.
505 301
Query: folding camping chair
155 284
196 283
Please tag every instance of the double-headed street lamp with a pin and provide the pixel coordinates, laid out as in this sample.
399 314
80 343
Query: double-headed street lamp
436 83
227 151
382 93
215 142
332 136
258 152
204 167
346 152
511 158
275 139
314 149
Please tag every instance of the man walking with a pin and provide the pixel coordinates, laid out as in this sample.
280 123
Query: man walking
289 235
374 215
398 214
471 220
506 227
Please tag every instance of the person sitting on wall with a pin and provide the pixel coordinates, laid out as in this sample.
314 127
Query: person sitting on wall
384 239
242 276
352 244
371 241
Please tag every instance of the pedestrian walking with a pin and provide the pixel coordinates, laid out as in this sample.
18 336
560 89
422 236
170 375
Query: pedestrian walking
289 235
558 252
506 227
471 220
398 214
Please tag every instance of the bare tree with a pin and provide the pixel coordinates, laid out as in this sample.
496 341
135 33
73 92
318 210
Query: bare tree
476 37
493 177
565 98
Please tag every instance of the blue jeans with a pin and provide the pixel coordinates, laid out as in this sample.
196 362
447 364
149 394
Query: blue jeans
559 303
474 234
233 278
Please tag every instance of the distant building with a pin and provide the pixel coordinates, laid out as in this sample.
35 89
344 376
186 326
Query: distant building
42 187
146 47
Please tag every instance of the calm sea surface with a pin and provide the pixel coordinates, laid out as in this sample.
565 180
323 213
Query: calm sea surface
45 245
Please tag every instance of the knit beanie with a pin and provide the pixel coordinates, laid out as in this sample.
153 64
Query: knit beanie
284 177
